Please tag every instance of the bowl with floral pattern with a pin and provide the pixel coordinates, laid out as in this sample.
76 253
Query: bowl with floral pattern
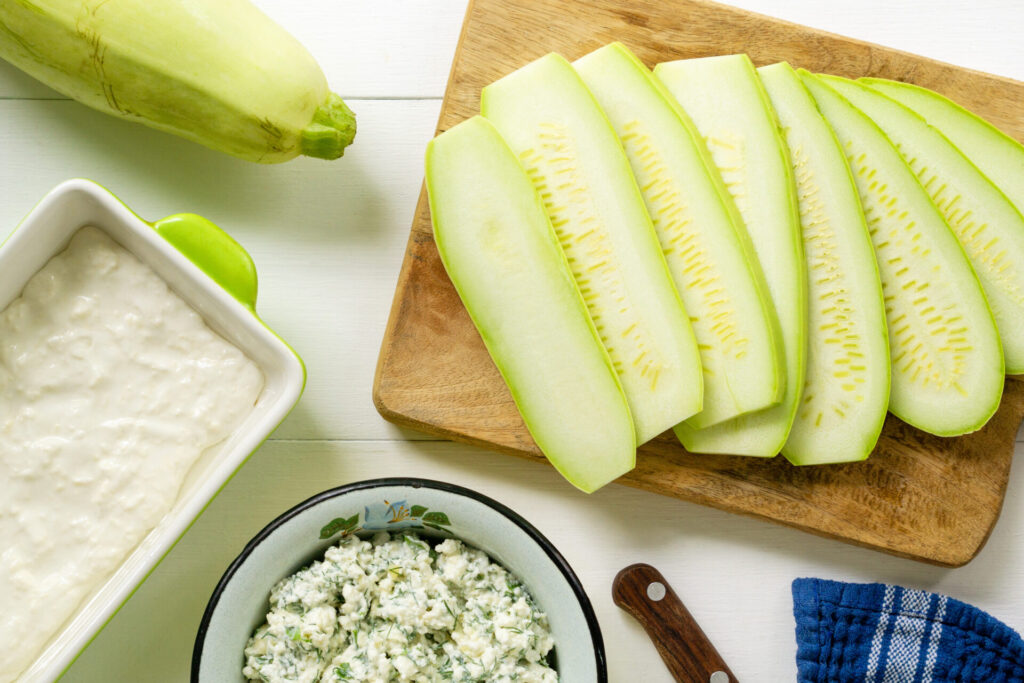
431 510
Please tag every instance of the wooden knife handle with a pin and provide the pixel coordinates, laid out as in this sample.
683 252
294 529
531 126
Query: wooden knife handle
641 590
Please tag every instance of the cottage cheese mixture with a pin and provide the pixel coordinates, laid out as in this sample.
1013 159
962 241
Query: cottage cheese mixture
396 609
111 387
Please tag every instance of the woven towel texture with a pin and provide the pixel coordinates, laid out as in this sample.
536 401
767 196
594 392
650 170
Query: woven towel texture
877 633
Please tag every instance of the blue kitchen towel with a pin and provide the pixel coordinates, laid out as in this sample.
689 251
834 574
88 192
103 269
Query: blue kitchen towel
876 633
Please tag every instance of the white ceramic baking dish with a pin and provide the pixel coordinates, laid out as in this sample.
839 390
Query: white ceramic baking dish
214 275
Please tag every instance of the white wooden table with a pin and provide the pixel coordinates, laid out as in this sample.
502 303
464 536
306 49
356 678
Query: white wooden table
328 239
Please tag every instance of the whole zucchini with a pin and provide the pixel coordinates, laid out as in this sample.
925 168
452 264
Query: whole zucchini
219 72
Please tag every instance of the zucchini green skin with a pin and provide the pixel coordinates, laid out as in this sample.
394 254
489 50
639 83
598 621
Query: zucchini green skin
571 153
947 362
996 154
218 72
986 223
728 103
702 236
846 389
503 257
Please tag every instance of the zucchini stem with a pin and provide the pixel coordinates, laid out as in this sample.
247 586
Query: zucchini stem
333 129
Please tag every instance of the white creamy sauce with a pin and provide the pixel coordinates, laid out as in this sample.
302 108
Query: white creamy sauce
397 609
111 387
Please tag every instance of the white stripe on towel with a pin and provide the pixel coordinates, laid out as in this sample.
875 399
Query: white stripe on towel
933 641
907 634
876 642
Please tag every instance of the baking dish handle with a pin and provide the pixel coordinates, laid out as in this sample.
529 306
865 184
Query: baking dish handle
215 252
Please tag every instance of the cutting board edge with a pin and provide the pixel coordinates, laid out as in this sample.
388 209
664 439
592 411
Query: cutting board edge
710 5
949 560
830 34
403 273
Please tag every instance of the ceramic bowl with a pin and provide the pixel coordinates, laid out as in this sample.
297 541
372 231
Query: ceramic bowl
216 277
303 534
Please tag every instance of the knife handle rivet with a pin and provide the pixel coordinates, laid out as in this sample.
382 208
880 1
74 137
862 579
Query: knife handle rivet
719 677
656 592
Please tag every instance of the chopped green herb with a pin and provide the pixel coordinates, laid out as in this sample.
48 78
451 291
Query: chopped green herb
342 606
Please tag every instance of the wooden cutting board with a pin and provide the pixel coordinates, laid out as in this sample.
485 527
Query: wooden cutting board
918 496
